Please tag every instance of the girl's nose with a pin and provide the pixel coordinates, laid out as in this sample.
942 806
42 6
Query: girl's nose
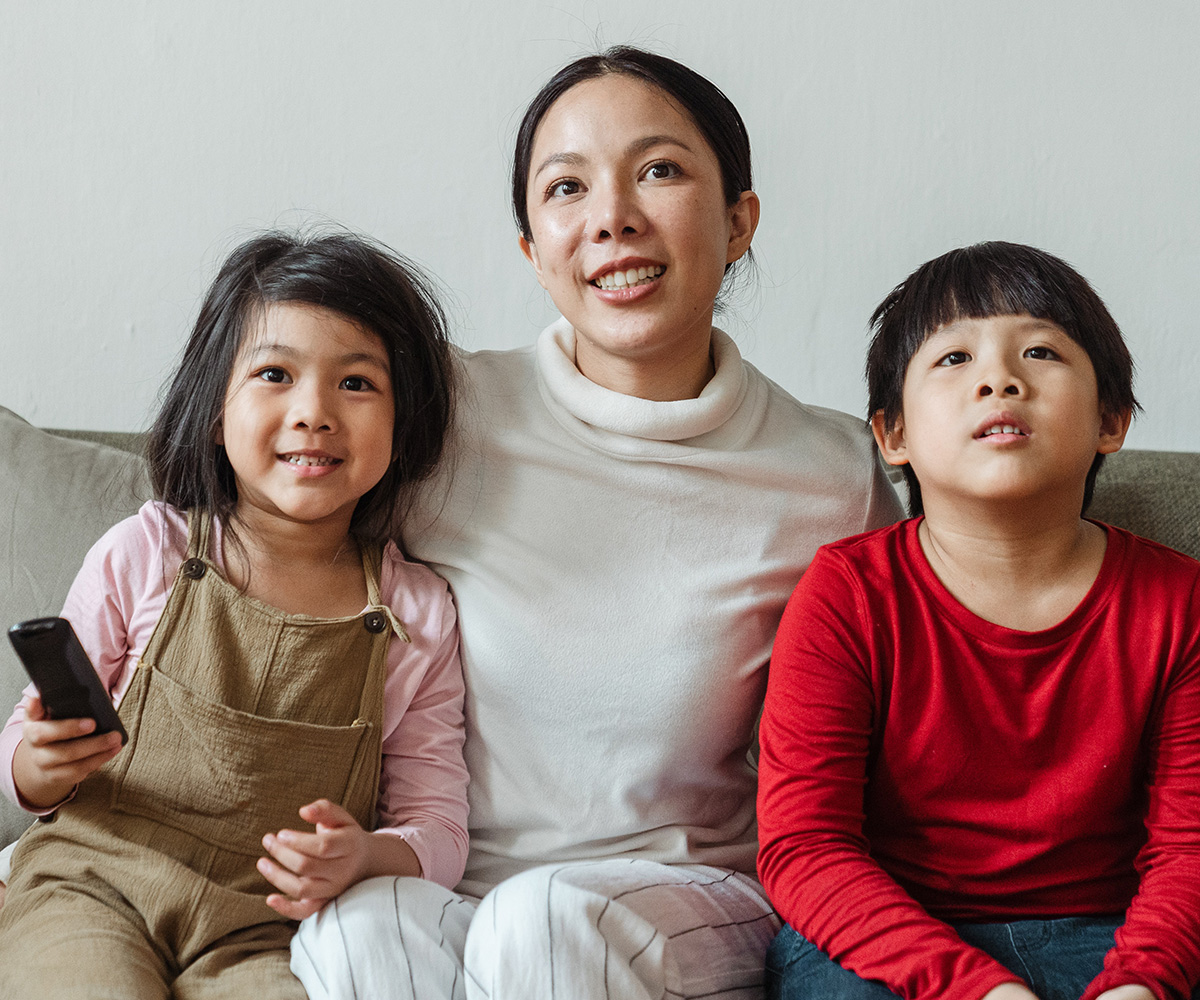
311 410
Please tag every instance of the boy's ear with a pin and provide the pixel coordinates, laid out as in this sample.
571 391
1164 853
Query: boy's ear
1113 428
891 441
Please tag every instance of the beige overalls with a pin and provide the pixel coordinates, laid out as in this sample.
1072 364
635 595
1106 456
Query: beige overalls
144 885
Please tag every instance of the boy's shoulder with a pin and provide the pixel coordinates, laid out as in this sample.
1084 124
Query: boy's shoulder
1145 561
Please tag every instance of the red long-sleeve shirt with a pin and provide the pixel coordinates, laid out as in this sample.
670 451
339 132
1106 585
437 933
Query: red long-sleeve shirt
920 764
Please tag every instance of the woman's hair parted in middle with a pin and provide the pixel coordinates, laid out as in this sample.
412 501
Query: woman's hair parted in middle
362 280
711 111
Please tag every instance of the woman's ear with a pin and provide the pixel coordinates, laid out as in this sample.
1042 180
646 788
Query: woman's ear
1113 428
743 220
891 441
529 249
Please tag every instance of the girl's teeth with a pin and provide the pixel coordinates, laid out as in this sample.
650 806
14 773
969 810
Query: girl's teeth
309 460
626 279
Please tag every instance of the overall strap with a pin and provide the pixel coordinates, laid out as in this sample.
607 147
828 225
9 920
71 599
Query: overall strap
199 533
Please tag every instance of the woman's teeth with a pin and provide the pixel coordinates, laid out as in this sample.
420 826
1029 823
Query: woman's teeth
310 460
627 279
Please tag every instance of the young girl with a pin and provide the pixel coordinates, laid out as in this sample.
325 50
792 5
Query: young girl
269 654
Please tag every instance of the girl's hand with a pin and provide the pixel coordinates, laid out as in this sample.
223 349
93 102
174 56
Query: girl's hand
56 755
309 869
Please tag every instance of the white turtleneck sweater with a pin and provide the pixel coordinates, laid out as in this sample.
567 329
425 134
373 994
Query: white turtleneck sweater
620 566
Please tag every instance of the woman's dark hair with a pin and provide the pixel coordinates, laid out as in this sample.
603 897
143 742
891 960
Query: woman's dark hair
711 111
362 280
993 279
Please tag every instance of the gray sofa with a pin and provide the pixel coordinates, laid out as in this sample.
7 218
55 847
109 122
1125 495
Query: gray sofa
60 490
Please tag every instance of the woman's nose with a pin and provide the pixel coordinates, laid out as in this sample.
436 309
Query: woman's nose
616 213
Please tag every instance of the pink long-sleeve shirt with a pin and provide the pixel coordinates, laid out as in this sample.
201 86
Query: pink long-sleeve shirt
119 595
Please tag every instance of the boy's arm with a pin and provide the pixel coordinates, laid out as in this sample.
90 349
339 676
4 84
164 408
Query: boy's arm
814 860
1158 946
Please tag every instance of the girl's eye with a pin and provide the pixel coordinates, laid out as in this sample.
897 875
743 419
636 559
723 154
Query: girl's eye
1041 354
954 358
563 189
356 383
662 171
277 375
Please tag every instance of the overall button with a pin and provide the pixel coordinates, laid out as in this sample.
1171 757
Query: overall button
193 569
375 621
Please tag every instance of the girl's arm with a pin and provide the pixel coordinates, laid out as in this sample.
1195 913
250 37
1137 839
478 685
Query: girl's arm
422 797
106 602
814 861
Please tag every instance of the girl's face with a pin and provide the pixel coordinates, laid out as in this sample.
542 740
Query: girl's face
308 417
630 229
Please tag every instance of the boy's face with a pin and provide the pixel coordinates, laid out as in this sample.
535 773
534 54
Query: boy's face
1002 408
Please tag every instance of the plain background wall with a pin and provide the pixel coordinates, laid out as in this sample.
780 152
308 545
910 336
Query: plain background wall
140 140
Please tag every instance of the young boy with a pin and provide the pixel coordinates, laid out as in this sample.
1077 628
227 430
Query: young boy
981 742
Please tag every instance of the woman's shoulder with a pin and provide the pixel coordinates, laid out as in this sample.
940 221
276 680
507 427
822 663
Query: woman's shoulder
821 421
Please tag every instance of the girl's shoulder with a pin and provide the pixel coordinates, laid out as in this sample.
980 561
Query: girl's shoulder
416 594
156 534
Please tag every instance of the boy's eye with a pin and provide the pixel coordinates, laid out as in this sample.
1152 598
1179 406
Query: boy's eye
272 375
1041 354
563 189
954 358
356 383
663 170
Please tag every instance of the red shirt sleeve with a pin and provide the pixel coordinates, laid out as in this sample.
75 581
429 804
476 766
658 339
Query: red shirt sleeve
816 739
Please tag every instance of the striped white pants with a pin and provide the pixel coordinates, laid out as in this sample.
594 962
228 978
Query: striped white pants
621 929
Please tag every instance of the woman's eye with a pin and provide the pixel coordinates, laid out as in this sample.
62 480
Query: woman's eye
356 383
563 189
272 375
954 358
662 171
1041 354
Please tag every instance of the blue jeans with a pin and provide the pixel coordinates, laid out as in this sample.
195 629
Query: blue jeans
1056 958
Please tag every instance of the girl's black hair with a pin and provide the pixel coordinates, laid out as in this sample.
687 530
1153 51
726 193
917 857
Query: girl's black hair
993 279
711 111
364 281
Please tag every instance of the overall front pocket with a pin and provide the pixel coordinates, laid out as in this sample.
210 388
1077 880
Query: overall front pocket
224 776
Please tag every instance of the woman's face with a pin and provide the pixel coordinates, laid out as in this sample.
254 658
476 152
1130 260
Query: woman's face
630 229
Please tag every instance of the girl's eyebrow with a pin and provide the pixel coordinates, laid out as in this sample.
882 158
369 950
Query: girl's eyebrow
634 148
350 358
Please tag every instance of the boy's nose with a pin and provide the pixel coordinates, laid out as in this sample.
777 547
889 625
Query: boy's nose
1011 388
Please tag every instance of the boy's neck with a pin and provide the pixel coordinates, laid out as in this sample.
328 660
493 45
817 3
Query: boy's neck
1022 566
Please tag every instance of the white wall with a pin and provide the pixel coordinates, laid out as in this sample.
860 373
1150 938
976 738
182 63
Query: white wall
140 140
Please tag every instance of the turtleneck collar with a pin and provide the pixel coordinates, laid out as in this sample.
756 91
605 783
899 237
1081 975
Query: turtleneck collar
578 397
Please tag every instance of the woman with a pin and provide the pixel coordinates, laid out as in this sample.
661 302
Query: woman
631 505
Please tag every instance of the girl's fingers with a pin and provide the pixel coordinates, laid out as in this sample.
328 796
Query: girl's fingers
326 813
294 909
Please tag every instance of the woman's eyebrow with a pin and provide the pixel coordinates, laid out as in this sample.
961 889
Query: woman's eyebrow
634 148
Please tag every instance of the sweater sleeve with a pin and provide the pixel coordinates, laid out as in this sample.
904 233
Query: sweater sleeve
1158 945
816 738
423 781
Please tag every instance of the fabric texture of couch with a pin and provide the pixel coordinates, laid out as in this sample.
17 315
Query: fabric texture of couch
61 490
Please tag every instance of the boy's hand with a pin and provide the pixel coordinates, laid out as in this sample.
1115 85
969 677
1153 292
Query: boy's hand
1131 992
56 755
1011 991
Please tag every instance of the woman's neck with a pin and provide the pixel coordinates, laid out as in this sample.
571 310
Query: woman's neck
663 377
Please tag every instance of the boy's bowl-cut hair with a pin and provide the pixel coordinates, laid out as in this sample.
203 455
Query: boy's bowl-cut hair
993 279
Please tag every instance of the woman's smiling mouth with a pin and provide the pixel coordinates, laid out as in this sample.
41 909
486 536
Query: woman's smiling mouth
629 278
